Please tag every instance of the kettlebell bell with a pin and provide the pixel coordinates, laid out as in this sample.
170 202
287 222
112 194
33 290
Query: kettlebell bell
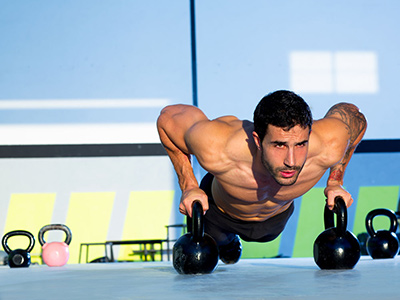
336 247
195 252
18 258
55 254
382 243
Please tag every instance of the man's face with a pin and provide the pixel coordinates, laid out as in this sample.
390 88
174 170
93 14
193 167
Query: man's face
284 152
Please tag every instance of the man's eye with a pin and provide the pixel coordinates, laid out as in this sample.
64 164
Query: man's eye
302 144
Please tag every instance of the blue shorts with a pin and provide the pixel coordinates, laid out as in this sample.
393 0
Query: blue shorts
223 228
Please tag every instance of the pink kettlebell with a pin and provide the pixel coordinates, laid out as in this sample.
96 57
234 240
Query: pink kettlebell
55 254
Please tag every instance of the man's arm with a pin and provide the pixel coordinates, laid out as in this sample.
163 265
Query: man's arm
173 124
355 124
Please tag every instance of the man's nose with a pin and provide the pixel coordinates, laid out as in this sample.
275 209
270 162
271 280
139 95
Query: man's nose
290 159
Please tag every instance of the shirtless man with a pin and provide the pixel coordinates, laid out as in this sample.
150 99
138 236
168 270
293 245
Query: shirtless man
256 170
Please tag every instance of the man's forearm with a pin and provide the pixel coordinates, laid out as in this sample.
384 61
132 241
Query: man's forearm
184 170
178 154
181 162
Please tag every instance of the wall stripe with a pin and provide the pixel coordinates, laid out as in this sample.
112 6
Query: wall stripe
89 218
35 151
81 103
145 149
78 132
28 212
311 222
147 214
372 197
378 146
261 250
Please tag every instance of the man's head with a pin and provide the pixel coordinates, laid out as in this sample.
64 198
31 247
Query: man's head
282 126
282 109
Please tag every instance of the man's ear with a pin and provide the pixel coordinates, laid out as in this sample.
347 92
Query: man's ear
257 140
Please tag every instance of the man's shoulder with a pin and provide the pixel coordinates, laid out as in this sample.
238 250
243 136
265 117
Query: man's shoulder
227 123
221 127
328 141
221 142
330 129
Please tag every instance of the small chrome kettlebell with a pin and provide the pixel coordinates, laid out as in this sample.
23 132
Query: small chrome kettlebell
18 258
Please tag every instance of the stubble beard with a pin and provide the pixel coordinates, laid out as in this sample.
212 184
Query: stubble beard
275 173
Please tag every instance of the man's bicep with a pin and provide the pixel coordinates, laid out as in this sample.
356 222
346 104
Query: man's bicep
331 128
331 138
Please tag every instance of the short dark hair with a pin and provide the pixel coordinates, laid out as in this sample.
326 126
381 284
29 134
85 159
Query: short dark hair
283 109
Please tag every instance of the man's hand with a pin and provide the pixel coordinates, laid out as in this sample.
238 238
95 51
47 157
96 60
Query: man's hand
188 197
333 190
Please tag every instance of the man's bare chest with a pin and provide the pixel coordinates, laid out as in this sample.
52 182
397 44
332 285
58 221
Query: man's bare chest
247 187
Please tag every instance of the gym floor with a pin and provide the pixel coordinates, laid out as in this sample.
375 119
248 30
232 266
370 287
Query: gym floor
279 278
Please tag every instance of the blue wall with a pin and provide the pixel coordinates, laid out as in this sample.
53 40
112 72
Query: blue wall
105 49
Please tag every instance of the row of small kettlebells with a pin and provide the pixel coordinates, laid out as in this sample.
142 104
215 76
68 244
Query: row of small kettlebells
54 254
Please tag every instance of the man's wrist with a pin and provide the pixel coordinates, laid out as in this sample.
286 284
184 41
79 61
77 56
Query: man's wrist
334 183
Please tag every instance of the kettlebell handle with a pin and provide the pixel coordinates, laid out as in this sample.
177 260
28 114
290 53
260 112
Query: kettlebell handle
341 216
197 221
14 233
68 234
380 212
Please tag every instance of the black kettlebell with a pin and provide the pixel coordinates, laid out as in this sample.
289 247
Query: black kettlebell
336 247
382 243
195 252
18 258
397 213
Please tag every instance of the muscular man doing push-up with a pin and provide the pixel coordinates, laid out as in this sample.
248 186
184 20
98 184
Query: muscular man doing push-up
256 169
